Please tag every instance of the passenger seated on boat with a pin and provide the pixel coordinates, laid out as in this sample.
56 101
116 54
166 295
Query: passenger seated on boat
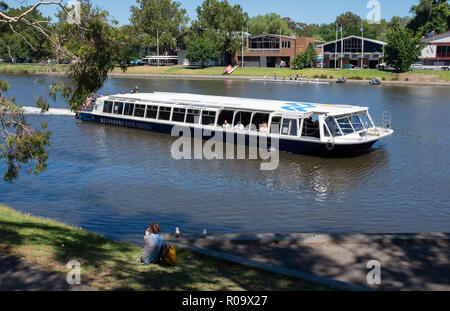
264 129
226 125
239 126
311 128
152 245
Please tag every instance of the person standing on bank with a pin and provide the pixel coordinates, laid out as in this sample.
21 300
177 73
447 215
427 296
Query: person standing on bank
153 245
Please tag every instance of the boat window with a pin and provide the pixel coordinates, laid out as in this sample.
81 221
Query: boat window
225 115
244 118
276 125
208 117
164 113
345 125
179 114
334 129
311 127
365 120
357 124
128 111
289 127
118 108
193 116
139 111
107 107
259 119
152 112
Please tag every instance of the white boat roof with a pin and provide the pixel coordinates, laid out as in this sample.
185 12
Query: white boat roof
195 101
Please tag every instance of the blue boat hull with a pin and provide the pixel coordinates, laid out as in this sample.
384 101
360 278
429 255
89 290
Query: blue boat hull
291 146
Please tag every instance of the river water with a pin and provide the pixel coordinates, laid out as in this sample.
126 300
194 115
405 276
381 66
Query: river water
115 181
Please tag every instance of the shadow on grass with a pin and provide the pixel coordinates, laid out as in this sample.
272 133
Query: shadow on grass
108 264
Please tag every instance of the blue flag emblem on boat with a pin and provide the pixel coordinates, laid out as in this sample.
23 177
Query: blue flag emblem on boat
297 107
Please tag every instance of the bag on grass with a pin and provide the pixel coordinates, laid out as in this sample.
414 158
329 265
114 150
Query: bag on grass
169 256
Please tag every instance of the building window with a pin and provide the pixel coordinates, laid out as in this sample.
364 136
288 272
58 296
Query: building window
265 43
286 44
353 45
443 51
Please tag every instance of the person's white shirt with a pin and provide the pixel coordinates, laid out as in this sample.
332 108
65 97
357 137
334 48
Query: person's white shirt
239 127
264 130
227 126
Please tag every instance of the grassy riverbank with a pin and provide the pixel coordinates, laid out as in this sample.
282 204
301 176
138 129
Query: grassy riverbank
31 68
366 74
111 265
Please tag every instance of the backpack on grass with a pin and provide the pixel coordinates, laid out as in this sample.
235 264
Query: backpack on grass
169 256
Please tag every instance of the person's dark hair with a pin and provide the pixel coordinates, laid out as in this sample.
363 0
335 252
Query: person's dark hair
155 228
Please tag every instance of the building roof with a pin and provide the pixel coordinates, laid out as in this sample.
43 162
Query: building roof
357 37
195 101
270 35
437 37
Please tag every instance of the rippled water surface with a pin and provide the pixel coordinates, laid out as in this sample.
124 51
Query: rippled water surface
115 181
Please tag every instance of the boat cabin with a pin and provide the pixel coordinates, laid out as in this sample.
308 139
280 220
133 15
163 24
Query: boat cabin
288 120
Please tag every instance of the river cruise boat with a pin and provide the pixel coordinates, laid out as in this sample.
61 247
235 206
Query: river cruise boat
300 127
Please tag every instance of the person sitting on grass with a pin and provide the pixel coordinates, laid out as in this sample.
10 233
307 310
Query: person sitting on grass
153 245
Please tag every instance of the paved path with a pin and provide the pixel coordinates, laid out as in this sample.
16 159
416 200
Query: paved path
17 276
408 262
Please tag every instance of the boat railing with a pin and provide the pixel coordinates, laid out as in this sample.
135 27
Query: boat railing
386 120
385 128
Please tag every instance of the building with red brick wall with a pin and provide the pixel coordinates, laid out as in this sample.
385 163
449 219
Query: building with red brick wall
272 50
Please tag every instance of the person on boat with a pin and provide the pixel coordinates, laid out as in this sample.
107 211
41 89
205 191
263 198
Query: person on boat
226 125
312 127
239 126
136 89
152 245
264 129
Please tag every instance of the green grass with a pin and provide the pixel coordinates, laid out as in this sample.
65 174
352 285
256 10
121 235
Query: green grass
111 265
30 68
366 74
359 74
